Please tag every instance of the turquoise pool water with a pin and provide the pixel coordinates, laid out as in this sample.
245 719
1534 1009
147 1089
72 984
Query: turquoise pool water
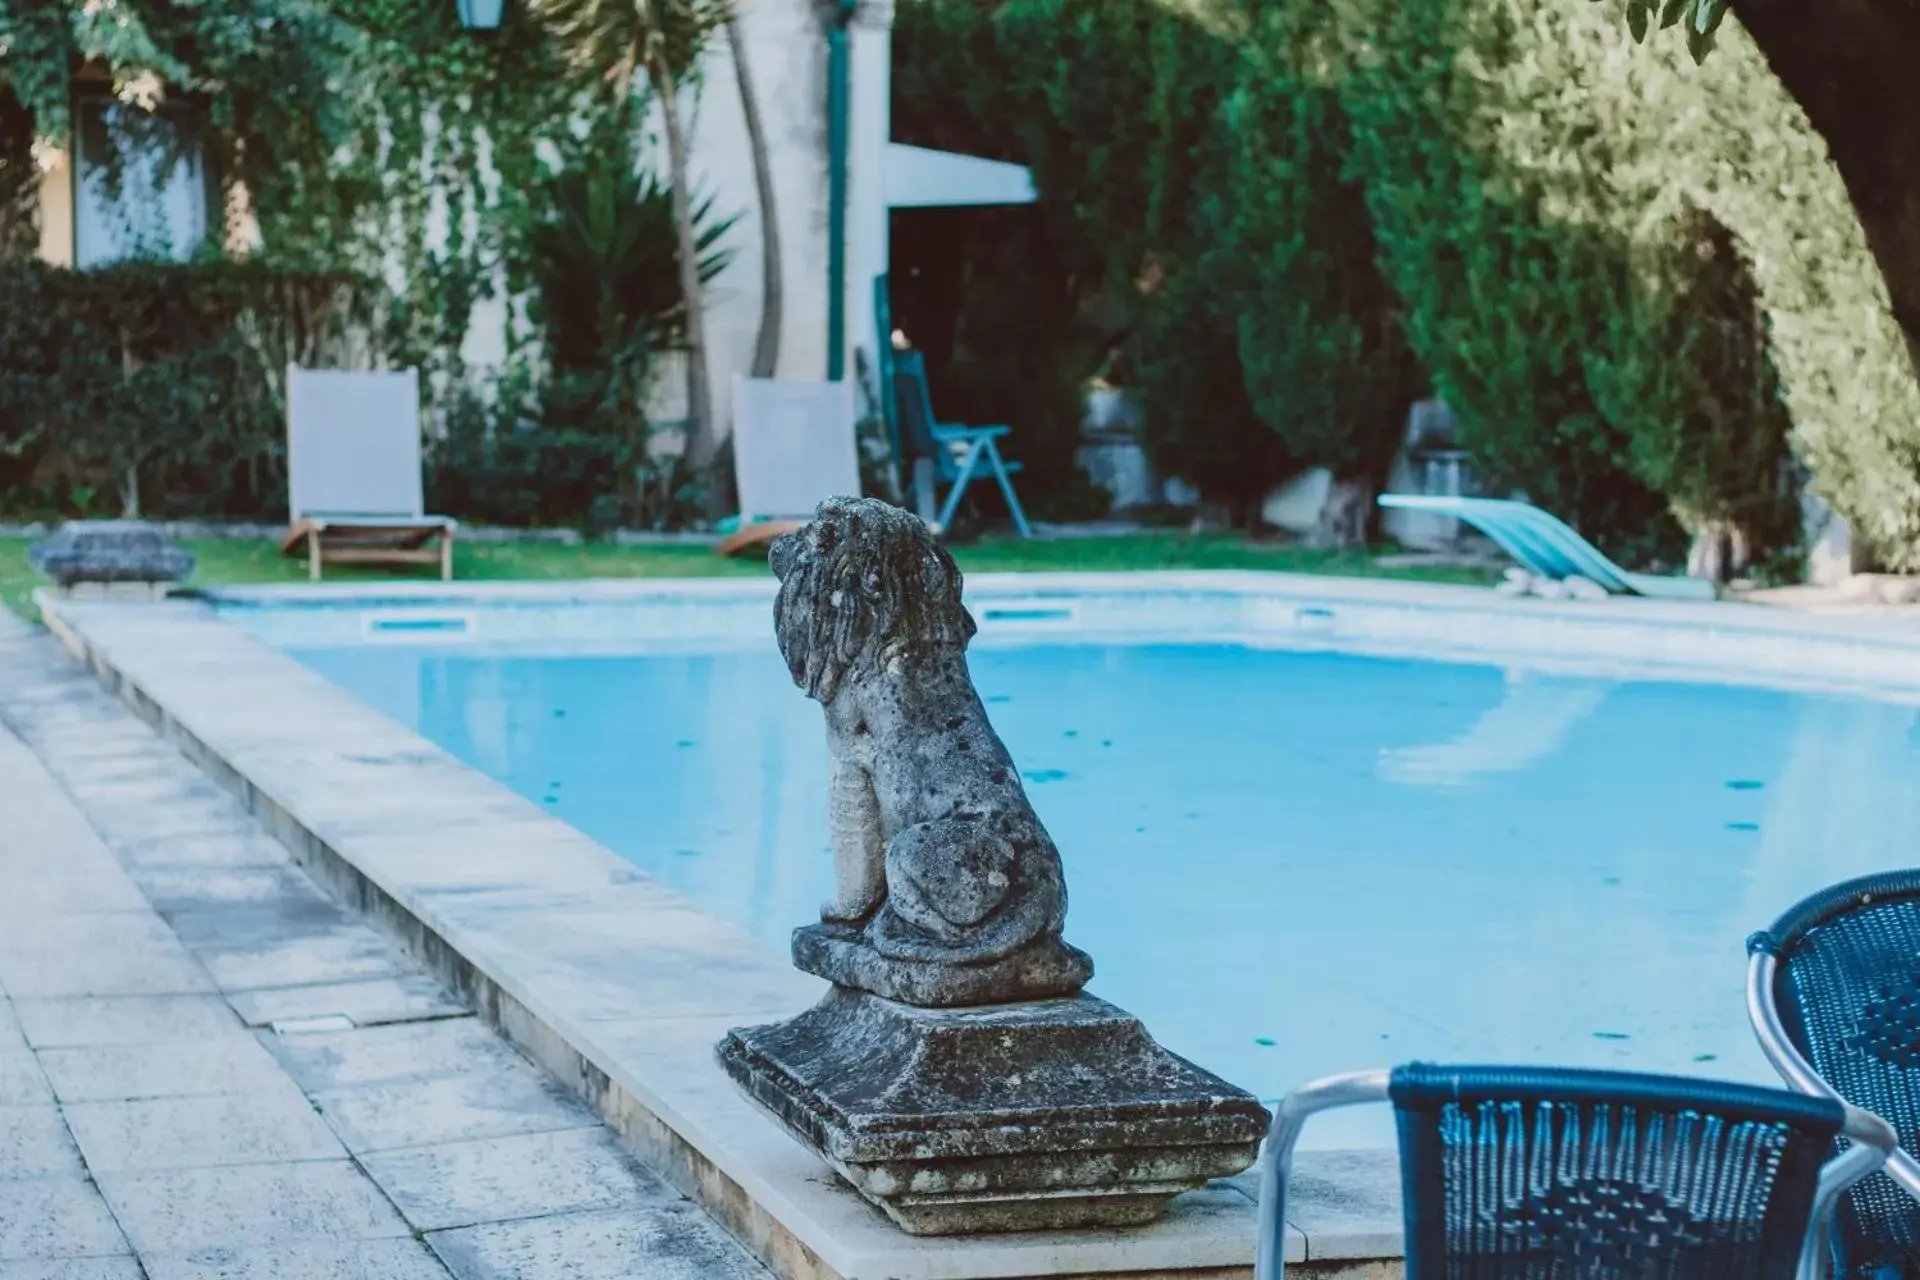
1287 863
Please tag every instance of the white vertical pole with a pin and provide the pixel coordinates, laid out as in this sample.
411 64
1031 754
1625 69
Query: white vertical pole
871 35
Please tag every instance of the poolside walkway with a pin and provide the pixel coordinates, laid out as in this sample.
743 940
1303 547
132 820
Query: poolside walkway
210 1071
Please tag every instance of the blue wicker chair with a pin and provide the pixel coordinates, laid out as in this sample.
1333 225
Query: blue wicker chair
1833 991
1519 1173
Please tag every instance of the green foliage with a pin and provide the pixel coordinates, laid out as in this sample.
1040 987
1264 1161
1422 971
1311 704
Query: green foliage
615 40
1594 122
1504 296
379 137
1755 162
375 136
165 383
1324 359
1700 402
1702 19
1199 423
1524 181
1113 103
524 475
19 180
608 299
602 256
1114 106
954 85
1021 351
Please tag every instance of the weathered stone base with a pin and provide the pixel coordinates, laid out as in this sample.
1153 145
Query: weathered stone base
1038 1116
109 551
841 954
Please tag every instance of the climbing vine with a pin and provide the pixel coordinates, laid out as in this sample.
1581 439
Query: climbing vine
377 136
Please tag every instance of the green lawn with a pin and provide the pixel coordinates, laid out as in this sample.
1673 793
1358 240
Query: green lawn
224 562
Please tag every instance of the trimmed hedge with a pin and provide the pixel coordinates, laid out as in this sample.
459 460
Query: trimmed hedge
161 385
1288 200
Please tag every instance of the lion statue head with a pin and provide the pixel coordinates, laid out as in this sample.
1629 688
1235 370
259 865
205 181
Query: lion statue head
864 586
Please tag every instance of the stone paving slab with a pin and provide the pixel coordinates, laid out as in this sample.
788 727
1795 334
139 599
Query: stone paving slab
89 1020
1349 1202
260 925
44 1218
166 1091
246 849
232 1063
126 968
73 1269
34 1143
455 1108
174 889
369 1002
459 1184
400 1051
81 885
179 1211
86 931
347 954
273 1125
22 1082
358 1260
670 1245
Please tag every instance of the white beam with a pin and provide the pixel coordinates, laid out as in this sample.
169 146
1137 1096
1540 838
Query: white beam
919 178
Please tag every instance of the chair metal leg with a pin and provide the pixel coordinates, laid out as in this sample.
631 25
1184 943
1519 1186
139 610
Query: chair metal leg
960 483
1276 1156
1006 489
924 503
313 555
446 555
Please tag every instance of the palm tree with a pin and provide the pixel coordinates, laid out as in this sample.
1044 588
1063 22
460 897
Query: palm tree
766 348
618 40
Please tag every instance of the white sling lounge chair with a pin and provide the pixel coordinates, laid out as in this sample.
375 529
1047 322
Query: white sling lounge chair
1547 547
793 448
353 473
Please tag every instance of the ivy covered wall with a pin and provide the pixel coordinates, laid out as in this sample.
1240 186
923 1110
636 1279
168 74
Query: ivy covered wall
380 138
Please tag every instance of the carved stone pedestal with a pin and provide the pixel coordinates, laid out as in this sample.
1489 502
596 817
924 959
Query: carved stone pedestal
1047 969
1015 1117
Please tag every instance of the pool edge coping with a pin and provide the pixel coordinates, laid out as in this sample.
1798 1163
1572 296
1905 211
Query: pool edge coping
1621 638
736 1162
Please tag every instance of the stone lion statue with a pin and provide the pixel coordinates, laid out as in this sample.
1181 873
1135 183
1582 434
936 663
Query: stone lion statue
947 888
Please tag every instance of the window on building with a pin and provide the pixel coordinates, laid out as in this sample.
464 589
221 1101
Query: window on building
140 184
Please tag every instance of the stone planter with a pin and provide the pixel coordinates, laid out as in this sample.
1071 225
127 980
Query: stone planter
1110 451
109 553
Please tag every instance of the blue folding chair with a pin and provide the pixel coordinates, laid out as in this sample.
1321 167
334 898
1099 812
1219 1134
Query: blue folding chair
1521 1173
958 452
1833 992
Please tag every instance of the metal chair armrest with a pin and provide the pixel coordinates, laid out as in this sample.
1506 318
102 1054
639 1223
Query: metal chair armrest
1876 1144
1276 1156
960 431
1873 1142
1764 1016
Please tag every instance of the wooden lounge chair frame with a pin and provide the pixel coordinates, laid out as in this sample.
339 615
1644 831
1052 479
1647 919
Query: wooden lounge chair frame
360 541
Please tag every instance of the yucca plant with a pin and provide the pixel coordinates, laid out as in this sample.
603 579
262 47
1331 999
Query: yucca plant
605 258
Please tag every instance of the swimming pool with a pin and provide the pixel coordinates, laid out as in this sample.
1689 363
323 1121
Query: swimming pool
1289 859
